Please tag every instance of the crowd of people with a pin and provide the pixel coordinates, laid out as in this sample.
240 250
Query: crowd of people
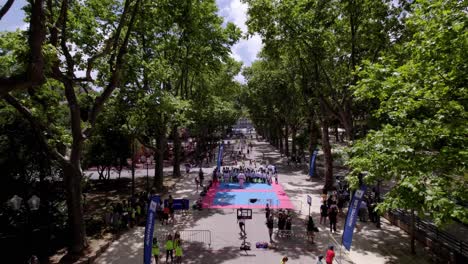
125 213
173 248
264 174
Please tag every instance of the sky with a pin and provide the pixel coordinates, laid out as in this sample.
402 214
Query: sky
232 10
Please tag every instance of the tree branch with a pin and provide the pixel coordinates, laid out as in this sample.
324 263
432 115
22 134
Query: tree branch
34 75
115 70
91 60
5 8
38 126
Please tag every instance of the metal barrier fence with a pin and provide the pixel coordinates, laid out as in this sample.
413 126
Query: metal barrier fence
203 236
275 203
439 239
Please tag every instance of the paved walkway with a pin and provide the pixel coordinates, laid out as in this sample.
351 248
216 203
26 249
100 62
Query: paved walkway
370 245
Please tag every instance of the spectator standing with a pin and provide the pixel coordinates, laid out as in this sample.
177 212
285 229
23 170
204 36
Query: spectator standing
178 251
311 229
323 213
170 203
332 217
363 211
155 250
169 248
166 213
267 211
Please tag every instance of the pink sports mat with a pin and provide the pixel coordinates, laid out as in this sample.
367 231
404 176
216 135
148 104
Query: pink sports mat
228 196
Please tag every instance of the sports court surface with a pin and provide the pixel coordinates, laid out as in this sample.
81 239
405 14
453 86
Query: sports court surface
253 195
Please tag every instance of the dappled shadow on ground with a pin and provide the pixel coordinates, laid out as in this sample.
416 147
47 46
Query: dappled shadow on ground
128 249
195 252
390 242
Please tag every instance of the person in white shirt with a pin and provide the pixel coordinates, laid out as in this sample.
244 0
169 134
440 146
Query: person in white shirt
241 178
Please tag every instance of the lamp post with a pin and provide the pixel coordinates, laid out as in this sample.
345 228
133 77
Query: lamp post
132 166
15 202
33 205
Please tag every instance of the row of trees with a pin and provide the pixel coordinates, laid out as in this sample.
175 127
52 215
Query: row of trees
391 73
89 76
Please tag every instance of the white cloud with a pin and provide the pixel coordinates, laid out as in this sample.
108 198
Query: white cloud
25 26
236 12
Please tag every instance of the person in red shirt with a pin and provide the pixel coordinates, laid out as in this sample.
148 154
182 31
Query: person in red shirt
330 255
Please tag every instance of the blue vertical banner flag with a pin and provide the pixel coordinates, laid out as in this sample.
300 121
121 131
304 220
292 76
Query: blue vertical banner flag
351 217
149 229
220 156
313 157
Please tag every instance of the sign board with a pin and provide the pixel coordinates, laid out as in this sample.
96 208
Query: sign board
244 213
309 199
351 218
151 217
179 204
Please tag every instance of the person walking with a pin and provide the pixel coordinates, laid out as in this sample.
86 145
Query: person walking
242 226
284 260
330 255
197 183
201 177
319 259
155 250
169 248
269 224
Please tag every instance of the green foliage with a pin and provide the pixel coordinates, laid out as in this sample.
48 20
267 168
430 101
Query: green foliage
110 145
13 51
422 95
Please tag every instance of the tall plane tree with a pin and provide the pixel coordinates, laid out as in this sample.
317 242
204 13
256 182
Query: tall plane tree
90 37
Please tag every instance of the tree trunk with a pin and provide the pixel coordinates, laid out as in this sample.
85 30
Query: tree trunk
293 135
327 155
159 166
175 135
280 140
108 172
313 139
286 141
346 119
100 171
72 178
133 167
